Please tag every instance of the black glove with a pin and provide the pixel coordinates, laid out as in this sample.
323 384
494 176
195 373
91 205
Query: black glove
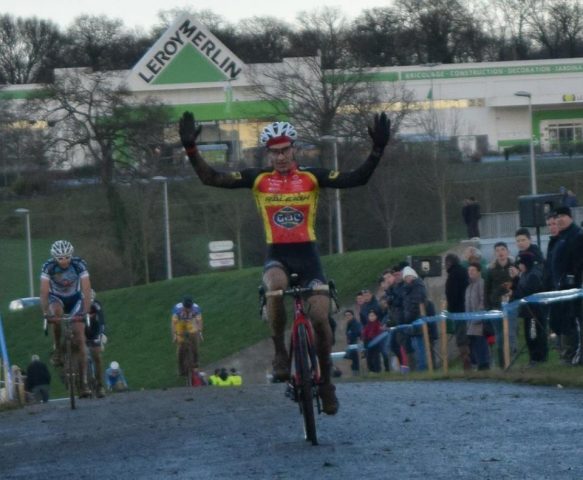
189 131
380 132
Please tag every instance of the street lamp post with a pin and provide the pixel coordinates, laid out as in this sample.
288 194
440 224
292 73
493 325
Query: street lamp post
164 181
532 164
26 213
339 235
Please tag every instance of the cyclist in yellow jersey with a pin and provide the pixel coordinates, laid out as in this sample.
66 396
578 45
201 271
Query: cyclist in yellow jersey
186 318
287 196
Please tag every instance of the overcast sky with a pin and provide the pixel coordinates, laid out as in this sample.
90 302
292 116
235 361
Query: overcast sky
143 13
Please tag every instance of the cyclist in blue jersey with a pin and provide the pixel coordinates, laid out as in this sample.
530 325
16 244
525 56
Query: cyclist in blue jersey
65 288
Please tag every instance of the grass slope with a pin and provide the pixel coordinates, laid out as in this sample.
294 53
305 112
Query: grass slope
138 318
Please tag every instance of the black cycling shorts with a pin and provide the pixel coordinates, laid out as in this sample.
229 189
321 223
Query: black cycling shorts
300 258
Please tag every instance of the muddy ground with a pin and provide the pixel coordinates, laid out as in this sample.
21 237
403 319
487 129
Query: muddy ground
401 430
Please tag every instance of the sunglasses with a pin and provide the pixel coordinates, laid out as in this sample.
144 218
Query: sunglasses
63 259
277 151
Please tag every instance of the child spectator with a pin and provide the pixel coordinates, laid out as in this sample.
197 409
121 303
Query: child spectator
371 331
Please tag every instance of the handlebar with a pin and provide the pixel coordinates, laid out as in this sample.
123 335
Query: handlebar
76 318
296 291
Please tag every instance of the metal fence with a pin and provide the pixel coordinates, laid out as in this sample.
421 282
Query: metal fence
504 224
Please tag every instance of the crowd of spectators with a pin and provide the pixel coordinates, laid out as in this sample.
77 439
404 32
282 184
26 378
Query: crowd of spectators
473 286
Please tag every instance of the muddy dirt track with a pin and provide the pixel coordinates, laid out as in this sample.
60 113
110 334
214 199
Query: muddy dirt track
392 430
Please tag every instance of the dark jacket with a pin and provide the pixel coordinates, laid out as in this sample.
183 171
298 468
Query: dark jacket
353 331
531 281
415 295
37 373
498 277
365 308
455 288
567 259
548 277
395 294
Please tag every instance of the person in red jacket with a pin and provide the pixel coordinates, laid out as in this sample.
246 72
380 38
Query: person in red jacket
372 330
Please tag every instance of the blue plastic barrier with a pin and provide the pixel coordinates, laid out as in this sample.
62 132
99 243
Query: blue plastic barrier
6 362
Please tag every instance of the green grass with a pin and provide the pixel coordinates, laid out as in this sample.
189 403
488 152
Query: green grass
14 260
138 318
138 323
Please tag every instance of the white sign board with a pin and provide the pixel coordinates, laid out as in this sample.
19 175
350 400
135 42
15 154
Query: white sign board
225 262
221 245
221 255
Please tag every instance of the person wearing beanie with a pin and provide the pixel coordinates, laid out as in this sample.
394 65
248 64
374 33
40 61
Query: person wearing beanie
414 307
409 272
565 268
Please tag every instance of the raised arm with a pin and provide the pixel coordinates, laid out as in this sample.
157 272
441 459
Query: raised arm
189 131
380 132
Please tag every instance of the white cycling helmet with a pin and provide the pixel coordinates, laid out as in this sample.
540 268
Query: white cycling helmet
278 132
114 365
62 248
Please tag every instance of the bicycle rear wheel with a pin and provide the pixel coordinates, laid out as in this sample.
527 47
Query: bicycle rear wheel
306 385
186 355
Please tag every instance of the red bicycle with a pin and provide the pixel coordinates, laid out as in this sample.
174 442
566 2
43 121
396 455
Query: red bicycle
305 372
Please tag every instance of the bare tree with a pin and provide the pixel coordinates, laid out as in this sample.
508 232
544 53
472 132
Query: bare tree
557 25
26 46
432 160
102 43
325 94
93 121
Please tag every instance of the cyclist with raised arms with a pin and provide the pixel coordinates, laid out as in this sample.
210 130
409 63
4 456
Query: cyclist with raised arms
286 195
65 288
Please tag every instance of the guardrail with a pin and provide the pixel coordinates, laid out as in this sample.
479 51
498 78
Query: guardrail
544 298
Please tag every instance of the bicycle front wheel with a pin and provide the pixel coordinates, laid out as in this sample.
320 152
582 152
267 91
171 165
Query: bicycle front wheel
306 384
70 374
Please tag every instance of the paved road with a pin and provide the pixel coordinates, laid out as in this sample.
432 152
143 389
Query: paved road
398 430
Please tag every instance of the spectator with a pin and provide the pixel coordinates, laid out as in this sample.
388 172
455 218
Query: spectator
455 295
471 215
214 378
38 380
222 379
524 244
530 281
414 307
565 270
353 335
235 378
372 330
571 199
369 302
115 380
474 255
568 199
96 340
498 283
554 309
477 329
394 295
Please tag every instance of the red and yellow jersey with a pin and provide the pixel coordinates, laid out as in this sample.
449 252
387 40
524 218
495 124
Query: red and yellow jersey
287 202
287 205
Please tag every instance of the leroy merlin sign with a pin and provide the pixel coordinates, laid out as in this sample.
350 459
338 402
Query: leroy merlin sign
187 53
